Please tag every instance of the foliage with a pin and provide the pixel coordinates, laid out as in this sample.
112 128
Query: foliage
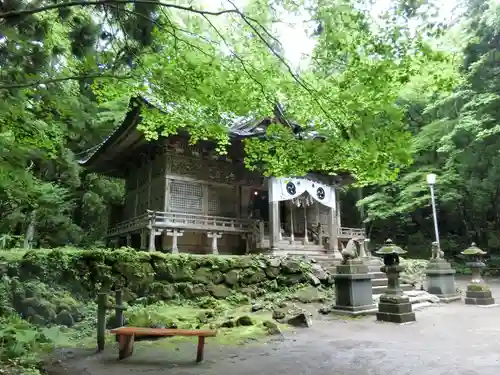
68 71
456 136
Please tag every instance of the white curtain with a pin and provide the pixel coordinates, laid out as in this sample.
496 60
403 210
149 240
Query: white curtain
283 189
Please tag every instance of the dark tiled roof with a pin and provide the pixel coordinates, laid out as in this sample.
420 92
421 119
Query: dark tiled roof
244 127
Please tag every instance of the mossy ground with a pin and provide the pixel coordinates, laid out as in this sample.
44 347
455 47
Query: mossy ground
49 296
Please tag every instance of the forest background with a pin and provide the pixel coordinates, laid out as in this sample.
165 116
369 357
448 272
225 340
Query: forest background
397 95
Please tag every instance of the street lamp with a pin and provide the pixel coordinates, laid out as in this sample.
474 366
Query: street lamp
431 180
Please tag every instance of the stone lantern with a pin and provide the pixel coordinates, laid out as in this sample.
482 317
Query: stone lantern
394 306
478 292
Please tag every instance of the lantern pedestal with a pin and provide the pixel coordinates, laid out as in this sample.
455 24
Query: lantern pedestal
353 289
441 280
478 292
394 306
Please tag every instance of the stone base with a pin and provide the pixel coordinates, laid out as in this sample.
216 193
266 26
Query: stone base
354 310
441 281
478 297
395 309
353 289
448 298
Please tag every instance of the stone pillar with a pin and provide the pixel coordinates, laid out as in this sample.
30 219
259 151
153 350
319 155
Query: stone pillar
441 277
353 289
128 240
214 237
394 306
174 233
274 218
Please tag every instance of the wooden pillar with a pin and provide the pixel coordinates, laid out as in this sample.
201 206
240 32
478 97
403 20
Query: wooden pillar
337 208
333 241
149 206
175 233
262 233
318 224
274 218
306 240
144 239
152 231
152 237
214 236
164 240
292 234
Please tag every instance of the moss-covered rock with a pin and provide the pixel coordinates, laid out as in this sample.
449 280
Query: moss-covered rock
208 276
64 318
232 277
291 266
308 294
244 321
219 291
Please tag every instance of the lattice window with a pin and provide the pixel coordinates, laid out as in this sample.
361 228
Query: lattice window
213 201
186 196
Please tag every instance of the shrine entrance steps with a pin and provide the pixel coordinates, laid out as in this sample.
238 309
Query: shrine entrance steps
327 261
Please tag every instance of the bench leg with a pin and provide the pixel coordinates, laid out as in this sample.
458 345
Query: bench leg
126 346
201 346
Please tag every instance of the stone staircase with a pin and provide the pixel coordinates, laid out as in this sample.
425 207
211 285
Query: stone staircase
320 255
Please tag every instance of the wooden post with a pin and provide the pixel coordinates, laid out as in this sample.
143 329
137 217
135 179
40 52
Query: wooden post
144 239
306 240
261 234
101 320
201 346
333 245
175 233
119 308
214 236
152 237
292 235
274 218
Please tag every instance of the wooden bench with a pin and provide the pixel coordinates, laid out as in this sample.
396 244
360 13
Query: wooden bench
126 337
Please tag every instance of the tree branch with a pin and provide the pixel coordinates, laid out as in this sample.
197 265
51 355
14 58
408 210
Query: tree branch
60 79
68 4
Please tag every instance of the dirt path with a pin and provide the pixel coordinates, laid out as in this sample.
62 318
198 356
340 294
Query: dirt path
447 339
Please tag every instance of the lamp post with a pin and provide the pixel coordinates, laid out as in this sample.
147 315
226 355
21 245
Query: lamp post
439 273
431 181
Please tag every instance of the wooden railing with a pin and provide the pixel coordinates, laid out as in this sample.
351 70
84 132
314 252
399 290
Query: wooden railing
351 232
205 223
138 222
200 222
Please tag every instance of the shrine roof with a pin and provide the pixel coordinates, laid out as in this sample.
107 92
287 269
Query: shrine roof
126 134
118 145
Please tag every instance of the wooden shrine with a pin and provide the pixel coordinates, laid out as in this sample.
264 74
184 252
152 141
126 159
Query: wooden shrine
180 197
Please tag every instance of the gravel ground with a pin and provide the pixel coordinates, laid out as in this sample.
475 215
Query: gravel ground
449 339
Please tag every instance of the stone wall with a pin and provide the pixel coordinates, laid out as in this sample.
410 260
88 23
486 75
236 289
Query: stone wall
160 276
